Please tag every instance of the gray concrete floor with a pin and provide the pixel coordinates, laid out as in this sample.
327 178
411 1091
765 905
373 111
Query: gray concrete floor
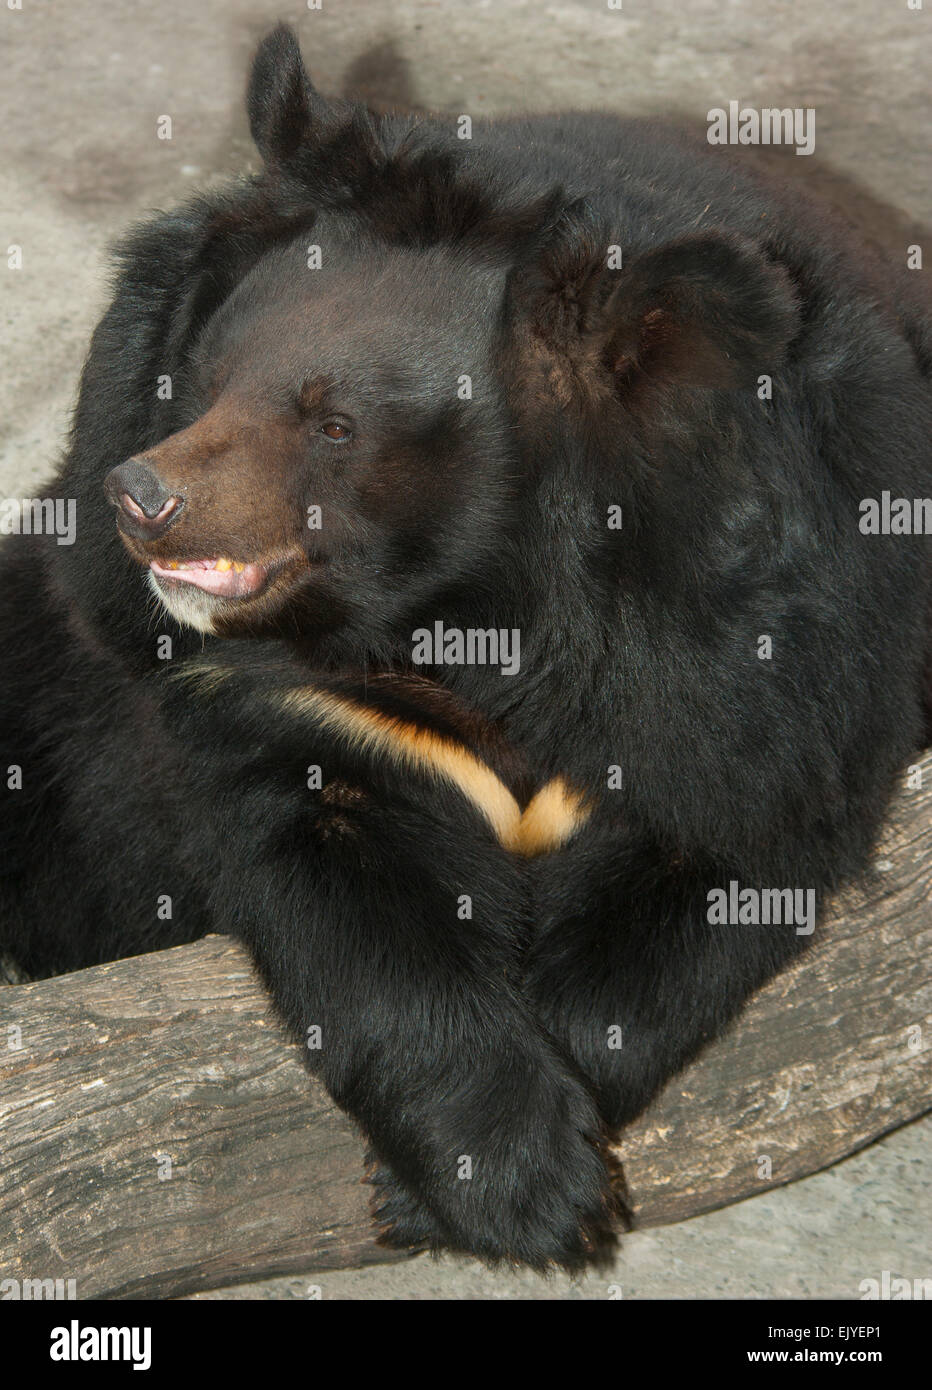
84 84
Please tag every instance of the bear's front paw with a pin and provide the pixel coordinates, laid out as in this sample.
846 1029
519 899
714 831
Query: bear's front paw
403 1220
544 1200
523 1182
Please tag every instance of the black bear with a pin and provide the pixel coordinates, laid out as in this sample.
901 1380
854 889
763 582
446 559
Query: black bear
477 599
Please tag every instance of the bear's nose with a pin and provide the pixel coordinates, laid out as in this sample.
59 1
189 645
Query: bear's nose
147 506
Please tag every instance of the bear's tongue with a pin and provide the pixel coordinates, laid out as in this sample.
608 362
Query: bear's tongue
222 577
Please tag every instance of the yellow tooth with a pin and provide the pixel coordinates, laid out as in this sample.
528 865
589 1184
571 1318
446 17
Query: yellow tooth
223 565
238 566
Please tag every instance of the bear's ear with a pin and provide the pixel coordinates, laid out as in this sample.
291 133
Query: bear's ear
707 309
282 102
562 283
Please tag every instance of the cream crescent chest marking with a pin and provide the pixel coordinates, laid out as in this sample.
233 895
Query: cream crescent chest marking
551 817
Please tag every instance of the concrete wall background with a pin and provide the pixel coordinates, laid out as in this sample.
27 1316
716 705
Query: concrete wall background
84 83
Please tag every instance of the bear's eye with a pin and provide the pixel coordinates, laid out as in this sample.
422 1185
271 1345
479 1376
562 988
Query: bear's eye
335 431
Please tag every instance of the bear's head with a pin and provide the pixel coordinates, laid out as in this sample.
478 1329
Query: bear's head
334 463
365 399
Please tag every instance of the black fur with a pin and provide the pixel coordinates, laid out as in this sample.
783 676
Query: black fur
592 388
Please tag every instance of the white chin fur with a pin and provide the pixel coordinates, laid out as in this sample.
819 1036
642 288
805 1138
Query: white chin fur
190 607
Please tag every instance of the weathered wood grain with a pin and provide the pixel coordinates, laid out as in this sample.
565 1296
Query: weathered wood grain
830 1055
108 1074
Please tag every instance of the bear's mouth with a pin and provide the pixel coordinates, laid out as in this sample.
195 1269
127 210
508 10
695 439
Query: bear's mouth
220 577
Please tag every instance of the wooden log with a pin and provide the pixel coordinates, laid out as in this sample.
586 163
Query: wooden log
833 1053
158 1133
